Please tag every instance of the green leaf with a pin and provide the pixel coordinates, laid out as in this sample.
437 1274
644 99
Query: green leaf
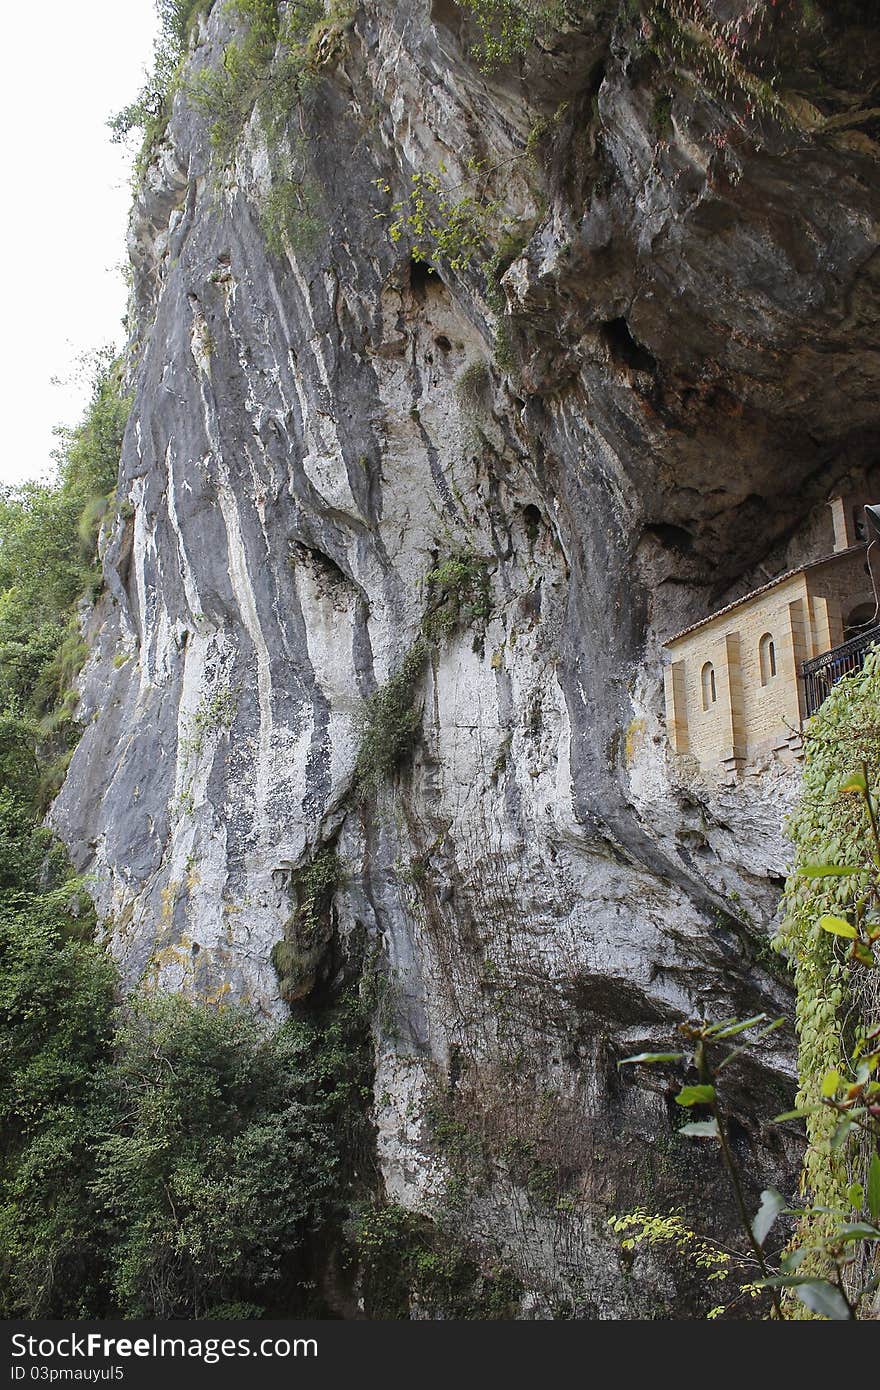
791 1115
795 1258
828 870
741 1027
783 1281
855 1195
830 1084
648 1057
772 1203
823 1298
857 1230
839 927
854 783
873 1192
700 1129
738 1051
840 1135
695 1095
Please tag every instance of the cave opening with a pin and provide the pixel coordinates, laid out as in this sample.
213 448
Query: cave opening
671 536
623 348
422 277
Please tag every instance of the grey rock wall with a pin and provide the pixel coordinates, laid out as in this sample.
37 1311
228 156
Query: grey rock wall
691 314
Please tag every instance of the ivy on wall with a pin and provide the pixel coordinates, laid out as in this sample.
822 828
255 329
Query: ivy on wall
838 996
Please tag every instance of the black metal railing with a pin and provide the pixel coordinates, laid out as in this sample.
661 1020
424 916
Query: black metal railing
824 671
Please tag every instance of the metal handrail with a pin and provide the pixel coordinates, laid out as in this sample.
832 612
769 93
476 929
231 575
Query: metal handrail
822 672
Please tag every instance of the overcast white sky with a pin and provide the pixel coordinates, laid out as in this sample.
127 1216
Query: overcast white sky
68 66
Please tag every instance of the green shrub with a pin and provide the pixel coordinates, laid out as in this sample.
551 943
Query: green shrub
268 66
458 595
56 1009
168 1158
471 385
442 229
508 28
218 1164
47 552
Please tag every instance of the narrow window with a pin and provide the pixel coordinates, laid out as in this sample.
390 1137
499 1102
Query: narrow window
707 680
767 658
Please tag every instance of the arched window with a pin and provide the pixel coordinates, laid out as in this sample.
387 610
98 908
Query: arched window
707 681
767 658
855 623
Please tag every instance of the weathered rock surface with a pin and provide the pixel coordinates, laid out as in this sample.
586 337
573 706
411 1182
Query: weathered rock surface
692 305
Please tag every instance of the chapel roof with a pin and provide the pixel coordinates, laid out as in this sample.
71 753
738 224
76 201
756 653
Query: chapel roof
765 588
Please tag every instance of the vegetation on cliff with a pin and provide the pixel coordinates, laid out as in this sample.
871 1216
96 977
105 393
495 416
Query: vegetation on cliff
830 936
48 562
159 1158
830 932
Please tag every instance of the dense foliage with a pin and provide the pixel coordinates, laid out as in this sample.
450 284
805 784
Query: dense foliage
832 907
161 1159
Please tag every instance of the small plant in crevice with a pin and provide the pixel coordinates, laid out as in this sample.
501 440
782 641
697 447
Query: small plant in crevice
214 715
509 28
661 115
459 594
471 386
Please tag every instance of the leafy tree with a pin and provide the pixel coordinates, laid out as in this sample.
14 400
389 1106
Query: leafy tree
219 1162
56 1001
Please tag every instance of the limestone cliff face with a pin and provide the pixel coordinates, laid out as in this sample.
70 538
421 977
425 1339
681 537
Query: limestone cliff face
689 314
